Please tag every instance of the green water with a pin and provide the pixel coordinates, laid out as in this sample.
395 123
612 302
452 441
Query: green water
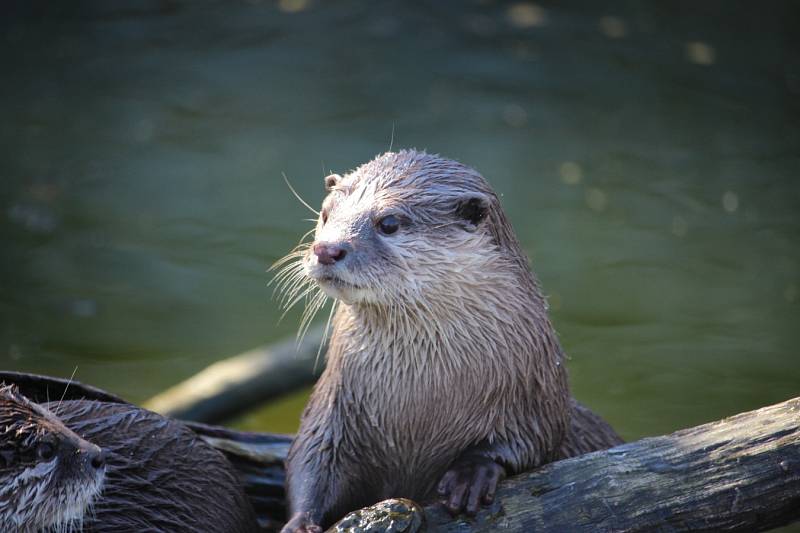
647 154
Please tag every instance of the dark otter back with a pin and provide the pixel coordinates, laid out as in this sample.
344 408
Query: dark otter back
160 475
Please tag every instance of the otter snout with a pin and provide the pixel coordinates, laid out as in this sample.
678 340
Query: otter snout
92 455
329 253
97 458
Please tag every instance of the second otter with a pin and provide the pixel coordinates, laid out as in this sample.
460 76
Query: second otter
49 476
444 372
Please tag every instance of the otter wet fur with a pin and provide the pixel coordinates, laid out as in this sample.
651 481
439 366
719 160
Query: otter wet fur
150 473
160 475
49 476
444 373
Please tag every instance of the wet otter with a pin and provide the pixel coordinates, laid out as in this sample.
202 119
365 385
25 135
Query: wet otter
161 476
156 474
49 476
444 373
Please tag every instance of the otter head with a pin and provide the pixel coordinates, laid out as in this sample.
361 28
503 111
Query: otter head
413 230
48 474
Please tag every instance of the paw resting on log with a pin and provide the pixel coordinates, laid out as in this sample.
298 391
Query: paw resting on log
469 483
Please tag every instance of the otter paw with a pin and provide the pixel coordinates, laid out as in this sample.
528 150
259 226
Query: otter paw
301 523
470 482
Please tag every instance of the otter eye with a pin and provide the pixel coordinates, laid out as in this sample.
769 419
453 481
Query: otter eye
45 451
324 216
388 225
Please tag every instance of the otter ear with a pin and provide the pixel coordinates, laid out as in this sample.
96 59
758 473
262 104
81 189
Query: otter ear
472 209
332 181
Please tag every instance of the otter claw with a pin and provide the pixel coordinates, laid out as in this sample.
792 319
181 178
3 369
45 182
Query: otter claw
469 483
301 523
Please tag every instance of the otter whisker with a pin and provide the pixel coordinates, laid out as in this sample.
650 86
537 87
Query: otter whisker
445 224
297 195
306 245
69 382
316 302
288 262
325 333
296 253
287 271
287 279
287 276
304 294
312 306
291 289
295 293
298 292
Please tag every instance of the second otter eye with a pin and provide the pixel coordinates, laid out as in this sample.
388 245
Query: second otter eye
46 451
388 225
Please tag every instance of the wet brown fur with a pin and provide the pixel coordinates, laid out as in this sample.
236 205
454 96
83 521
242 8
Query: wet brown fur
37 491
157 474
441 345
160 476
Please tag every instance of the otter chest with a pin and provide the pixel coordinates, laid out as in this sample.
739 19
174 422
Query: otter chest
415 412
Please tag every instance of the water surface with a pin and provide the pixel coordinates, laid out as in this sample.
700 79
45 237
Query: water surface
647 155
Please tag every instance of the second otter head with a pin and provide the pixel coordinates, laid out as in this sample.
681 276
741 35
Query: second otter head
409 228
48 474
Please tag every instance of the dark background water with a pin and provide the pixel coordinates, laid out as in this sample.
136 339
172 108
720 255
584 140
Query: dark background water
647 153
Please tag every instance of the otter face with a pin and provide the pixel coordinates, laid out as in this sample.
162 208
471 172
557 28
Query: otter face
407 228
48 474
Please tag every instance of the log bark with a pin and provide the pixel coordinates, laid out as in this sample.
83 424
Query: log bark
737 474
233 386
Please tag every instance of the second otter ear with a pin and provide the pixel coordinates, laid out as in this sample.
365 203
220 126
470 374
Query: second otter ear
332 181
473 209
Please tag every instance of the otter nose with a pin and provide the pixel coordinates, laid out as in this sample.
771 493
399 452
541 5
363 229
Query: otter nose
328 254
97 458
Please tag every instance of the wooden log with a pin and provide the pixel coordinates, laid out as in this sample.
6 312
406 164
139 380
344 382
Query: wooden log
737 474
42 389
232 386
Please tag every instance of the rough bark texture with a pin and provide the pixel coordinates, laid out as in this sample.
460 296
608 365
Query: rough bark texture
737 474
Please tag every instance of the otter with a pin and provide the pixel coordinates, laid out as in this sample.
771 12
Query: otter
161 476
156 474
444 373
49 476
